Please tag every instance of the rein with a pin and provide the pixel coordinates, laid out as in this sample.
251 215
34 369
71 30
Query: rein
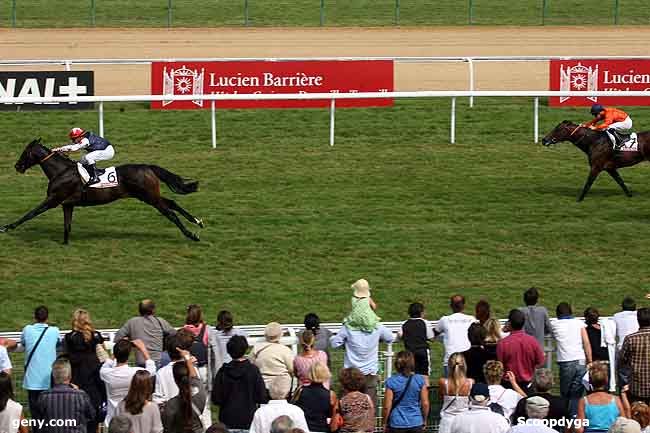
50 155
573 132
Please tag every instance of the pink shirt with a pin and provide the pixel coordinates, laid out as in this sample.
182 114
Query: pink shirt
521 354
302 365
196 330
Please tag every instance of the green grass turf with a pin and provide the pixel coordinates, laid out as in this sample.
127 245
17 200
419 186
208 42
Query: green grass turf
291 222
209 13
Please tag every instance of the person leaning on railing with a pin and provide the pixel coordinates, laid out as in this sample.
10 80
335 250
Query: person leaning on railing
80 345
150 329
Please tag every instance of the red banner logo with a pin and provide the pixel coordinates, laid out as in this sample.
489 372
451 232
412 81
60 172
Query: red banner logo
599 75
260 77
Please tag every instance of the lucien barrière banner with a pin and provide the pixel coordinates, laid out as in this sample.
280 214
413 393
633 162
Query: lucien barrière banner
597 75
264 77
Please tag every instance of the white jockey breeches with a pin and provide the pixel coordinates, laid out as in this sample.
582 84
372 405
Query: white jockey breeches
622 126
98 155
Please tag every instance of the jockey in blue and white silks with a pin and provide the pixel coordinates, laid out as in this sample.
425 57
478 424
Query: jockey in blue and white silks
98 148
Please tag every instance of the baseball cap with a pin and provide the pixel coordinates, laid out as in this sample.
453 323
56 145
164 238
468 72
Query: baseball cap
480 392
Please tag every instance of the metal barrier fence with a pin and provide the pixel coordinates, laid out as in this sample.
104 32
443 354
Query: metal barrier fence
189 13
256 334
331 97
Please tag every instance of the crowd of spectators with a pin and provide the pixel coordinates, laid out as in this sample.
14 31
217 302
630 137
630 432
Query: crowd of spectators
156 378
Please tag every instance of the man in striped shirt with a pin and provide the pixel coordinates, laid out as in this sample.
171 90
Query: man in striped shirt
65 408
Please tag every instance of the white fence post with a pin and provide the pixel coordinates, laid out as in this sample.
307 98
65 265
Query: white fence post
101 119
471 81
536 121
388 369
452 137
332 110
213 122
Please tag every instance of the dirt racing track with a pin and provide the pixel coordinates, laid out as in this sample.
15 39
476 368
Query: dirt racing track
332 42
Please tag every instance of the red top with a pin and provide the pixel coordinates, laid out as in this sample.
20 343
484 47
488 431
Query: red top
608 116
521 354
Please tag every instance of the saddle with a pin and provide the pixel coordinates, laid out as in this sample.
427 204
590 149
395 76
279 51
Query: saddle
621 141
107 177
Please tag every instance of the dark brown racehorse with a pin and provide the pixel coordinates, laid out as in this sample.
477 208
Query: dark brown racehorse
135 180
598 147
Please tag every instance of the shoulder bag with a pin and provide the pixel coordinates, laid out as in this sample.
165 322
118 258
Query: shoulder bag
31 354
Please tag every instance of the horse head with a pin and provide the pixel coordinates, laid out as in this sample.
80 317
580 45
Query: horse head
33 154
562 132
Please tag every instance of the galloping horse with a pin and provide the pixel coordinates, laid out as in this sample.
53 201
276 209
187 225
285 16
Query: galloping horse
135 180
600 154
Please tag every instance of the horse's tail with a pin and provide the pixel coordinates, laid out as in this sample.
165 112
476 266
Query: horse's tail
176 183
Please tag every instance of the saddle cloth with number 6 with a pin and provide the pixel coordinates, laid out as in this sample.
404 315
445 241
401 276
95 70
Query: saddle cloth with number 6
108 179
631 144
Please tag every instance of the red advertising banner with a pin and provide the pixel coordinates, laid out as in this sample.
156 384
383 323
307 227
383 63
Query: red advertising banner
345 76
605 75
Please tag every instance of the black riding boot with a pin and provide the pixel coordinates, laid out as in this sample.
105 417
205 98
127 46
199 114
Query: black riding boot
92 171
617 139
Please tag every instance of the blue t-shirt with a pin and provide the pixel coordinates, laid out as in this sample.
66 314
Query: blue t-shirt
37 376
408 412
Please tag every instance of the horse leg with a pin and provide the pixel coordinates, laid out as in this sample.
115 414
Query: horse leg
48 203
67 222
619 180
188 216
168 213
593 174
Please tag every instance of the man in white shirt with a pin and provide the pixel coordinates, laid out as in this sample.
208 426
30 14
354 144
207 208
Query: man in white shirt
625 320
5 362
573 353
478 418
453 329
117 374
278 406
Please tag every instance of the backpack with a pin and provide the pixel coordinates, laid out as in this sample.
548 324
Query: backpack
198 349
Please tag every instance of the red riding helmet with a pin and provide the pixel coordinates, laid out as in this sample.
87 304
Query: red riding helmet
76 133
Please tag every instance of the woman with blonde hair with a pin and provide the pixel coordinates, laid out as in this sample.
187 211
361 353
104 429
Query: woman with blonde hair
506 399
494 335
454 391
81 346
302 363
640 412
317 401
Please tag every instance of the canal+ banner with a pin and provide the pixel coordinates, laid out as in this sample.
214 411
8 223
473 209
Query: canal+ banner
599 75
266 77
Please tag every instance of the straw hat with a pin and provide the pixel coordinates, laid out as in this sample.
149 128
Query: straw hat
361 289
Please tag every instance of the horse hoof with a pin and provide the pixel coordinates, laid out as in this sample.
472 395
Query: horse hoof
4 229
195 237
199 222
